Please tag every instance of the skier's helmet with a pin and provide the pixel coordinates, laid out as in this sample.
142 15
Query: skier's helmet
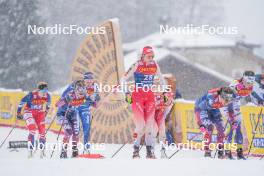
147 50
42 86
88 76
227 94
249 77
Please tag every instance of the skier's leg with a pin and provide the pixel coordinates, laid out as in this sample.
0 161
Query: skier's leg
40 121
220 137
160 121
229 139
138 117
239 141
151 125
229 133
169 130
208 137
75 135
238 135
31 126
85 117
67 135
202 118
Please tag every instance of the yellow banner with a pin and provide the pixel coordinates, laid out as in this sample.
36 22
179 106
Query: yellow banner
184 113
8 107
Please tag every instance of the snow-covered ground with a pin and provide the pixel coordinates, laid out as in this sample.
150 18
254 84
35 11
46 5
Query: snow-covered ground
183 163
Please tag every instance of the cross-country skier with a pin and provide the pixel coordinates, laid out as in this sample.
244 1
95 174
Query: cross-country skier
257 95
164 102
208 115
84 109
242 88
68 116
143 100
37 105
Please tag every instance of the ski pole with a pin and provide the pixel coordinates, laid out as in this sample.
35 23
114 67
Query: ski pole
53 119
118 150
56 140
260 113
59 133
14 126
180 149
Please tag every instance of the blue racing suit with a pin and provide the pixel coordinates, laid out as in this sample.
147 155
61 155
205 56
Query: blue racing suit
84 111
207 113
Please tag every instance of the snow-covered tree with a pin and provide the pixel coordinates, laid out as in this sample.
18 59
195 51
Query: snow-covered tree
23 56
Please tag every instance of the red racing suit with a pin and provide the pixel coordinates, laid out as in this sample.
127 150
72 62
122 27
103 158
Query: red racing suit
164 102
36 108
143 100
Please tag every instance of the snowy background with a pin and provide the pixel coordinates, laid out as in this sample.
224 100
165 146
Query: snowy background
26 59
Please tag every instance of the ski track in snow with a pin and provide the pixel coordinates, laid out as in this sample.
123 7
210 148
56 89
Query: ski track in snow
183 163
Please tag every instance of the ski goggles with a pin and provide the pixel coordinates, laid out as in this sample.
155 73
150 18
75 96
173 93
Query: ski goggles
45 90
227 97
249 79
88 80
88 76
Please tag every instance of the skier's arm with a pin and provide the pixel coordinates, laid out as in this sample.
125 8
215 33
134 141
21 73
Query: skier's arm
260 101
94 98
160 76
48 104
64 99
67 90
24 100
209 102
129 73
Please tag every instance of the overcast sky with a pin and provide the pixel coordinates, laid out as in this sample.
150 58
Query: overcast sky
248 16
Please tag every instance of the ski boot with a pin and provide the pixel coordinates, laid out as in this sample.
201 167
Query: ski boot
63 153
86 151
220 154
42 154
163 154
30 153
228 155
240 155
150 153
136 152
42 149
74 152
207 154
